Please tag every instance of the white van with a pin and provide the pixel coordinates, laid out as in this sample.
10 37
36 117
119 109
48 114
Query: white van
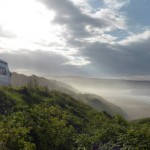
5 74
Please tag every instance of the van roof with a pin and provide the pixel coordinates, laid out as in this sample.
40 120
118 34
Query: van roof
3 61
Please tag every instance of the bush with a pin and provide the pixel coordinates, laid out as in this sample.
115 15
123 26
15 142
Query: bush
32 118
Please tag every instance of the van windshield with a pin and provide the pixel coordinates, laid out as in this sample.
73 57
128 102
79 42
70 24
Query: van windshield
2 71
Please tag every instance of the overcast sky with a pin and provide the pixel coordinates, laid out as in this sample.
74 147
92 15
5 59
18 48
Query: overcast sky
94 38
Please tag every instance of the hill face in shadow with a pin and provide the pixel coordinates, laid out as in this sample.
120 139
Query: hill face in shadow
100 103
92 100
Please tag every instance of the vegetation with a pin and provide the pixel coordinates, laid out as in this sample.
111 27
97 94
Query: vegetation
32 118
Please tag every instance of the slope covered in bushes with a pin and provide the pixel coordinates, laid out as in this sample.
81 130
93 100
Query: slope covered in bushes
32 118
92 100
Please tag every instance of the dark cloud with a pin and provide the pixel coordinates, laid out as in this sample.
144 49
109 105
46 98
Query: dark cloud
75 42
131 59
41 63
70 15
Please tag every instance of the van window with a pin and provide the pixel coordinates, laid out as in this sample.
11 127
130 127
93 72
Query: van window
2 71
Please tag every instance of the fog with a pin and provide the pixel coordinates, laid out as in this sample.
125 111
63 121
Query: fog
133 97
134 103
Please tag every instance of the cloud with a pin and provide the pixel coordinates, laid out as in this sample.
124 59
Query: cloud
129 57
74 38
116 19
136 38
81 26
116 4
112 13
71 16
40 63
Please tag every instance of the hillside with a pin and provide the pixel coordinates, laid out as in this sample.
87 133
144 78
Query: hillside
92 100
100 104
33 118
20 79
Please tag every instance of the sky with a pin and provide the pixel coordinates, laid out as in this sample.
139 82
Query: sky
92 38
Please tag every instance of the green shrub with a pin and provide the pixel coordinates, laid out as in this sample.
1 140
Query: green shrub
33 118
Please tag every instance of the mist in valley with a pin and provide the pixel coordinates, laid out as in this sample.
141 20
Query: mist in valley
133 97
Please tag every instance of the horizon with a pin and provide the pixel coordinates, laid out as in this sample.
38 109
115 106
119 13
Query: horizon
142 79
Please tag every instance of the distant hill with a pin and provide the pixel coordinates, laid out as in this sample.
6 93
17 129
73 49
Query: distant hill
92 100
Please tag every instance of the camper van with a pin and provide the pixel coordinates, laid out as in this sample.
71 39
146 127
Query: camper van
5 74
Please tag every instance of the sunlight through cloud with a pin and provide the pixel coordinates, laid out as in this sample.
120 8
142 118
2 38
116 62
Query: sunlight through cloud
28 20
